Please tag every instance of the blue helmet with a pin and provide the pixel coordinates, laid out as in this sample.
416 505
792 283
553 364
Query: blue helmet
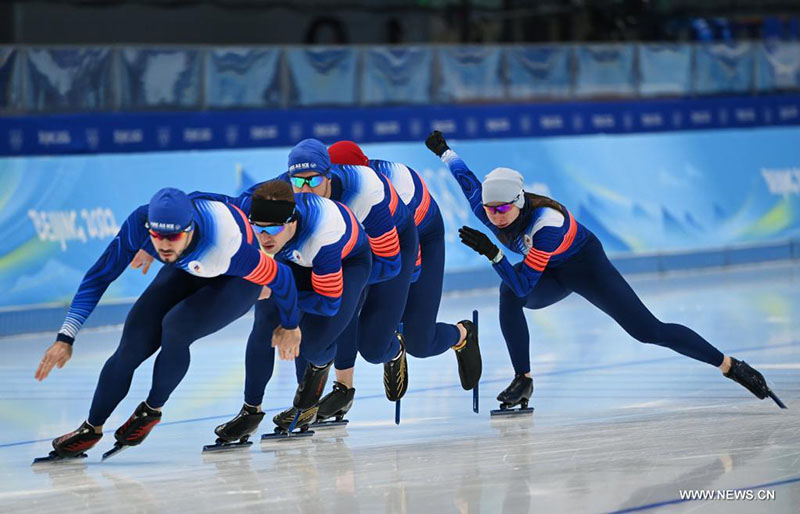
309 155
170 211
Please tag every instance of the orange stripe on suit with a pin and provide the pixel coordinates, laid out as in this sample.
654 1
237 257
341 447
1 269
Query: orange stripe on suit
330 285
265 271
393 199
424 204
538 260
386 245
348 247
248 228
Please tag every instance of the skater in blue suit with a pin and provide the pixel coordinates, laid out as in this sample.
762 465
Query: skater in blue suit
560 256
213 273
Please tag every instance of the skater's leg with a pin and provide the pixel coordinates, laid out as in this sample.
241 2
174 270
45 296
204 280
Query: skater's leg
424 336
383 309
260 355
320 333
347 346
512 318
141 337
219 302
594 277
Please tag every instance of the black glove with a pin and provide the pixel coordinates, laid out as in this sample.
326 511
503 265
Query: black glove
436 143
478 241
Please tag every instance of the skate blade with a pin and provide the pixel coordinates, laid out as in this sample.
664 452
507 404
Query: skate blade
511 412
113 451
53 458
333 423
777 400
218 447
286 436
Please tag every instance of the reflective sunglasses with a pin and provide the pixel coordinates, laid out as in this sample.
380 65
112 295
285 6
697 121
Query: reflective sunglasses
313 181
500 209
272 230
173 236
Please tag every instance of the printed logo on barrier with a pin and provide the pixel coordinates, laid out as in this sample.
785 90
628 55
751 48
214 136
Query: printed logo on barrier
652 119
525 123
724 116
386 128
164 136
627 121
128 137
15 139
677 119
551 122
603 121
444 126
65 226
92 138
295 131
357 130
766 115
415 126
782 181
263 132
495 125
197 134
231 134
326 129
745 115
54 137
788 112
577 122
702 117
472 126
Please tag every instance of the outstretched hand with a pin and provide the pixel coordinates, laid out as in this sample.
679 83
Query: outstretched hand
142 260
478 241
436 143
56 355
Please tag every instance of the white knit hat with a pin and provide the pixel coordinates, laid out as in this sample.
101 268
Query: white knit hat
503 185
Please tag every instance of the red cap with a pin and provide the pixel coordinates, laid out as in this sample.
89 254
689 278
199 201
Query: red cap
347 152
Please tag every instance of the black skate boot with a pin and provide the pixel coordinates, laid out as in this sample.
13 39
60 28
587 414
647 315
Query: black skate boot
335 405
236 432
519 392
752 380
309 390
468 355
72 445
135 430
395 373
284 421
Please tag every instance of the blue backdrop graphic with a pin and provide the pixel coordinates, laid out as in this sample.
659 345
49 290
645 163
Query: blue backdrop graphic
640 193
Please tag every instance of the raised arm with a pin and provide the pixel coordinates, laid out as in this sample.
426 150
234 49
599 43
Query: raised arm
469 183
118 254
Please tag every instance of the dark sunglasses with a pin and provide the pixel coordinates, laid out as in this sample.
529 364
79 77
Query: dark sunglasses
173 236
500 209
313 181
272 230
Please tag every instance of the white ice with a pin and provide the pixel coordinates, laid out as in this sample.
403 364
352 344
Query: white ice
619 426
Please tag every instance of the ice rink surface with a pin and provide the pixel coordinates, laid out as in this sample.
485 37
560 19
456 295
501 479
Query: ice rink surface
619 426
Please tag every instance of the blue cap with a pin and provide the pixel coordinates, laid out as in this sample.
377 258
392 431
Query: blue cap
309 155
170 211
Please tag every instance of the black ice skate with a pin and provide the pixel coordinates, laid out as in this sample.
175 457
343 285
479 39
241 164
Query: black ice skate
519 392
236 432
310 388
333 407
135 430
752 380
395 373
468 354
73 445
292 424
